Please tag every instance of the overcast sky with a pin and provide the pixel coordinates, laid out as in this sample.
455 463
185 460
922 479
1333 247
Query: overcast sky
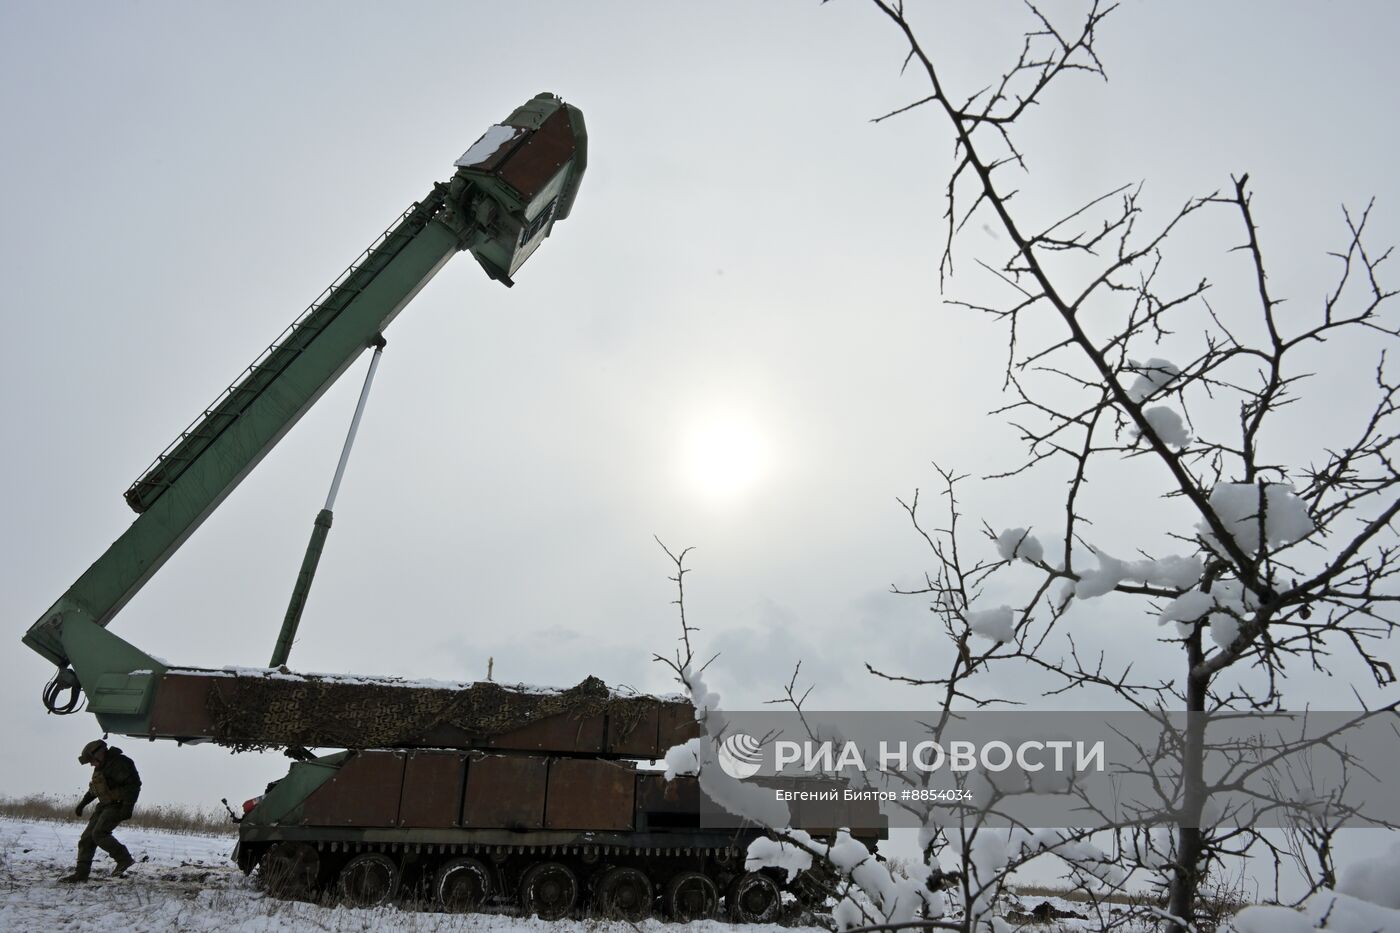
735 342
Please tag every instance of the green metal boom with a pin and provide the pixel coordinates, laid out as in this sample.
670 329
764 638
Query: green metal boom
503 200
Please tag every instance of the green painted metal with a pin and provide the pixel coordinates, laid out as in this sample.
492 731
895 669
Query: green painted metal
301 337
117 676
283 801
121 694
226 458
474 211
292 619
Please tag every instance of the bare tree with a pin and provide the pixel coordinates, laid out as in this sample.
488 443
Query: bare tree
871 896
1281 562
1281 565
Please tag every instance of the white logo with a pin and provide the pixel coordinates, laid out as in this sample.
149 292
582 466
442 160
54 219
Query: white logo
740 756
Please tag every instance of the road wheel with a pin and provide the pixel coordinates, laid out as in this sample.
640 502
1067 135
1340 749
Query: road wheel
691 896
290 870
369 880
753 898
462 884
549 890
623 894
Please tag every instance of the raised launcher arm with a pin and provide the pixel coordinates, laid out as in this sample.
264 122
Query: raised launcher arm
508 191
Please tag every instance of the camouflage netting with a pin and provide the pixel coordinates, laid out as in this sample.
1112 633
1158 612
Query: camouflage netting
257 711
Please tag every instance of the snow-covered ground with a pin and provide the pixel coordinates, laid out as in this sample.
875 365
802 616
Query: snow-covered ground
184 882
189 883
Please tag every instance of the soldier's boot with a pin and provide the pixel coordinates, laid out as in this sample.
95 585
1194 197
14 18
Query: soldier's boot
79 875
121 855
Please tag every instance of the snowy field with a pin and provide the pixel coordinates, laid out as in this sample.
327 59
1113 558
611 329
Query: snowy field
189 883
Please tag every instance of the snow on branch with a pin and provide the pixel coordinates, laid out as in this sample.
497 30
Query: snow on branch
1116 359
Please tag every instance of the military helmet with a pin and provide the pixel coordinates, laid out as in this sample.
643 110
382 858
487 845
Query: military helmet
90 749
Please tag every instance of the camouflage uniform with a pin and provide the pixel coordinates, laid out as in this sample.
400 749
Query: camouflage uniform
115 786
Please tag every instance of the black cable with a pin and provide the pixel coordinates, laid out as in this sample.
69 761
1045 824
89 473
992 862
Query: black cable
63 680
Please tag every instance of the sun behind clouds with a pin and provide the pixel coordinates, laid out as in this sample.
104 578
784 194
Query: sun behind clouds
724 455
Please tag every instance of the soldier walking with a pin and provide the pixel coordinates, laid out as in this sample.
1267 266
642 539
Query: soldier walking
115 786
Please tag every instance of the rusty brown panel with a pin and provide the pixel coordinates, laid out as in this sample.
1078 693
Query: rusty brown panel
821 817
632 729
446 735
866 817
181 706
532 164
562 732
655 794
588 793
677 724
505 792
432 789
364 792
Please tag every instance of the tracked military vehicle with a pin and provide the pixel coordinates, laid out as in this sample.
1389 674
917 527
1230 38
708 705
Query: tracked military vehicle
508 795
463 793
